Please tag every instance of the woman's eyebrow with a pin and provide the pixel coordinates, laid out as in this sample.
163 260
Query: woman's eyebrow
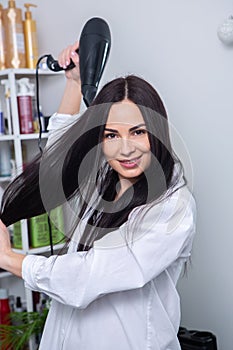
131 129
112 130
137 126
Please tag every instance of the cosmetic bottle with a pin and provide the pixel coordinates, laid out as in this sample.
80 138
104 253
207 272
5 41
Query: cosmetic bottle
39 228
44 120
2 43
5 311
7 114
30 36
4 307
17 235
1 193
57 223
18 305
24 101
5 159
14 36
2 121
39 231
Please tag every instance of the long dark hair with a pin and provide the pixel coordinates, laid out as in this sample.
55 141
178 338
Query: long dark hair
73 167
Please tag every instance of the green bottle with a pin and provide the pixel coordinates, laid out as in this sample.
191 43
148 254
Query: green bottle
39 228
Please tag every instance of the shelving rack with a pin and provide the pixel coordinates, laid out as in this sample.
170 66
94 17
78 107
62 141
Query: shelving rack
7 280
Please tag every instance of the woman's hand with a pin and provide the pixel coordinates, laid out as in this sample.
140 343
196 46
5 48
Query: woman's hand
9 260
64 59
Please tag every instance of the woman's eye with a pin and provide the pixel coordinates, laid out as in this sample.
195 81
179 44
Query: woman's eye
110 136
139 132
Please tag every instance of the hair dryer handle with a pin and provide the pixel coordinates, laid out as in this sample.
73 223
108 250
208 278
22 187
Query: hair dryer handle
54 66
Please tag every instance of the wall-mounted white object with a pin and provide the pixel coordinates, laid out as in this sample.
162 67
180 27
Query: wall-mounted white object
225 31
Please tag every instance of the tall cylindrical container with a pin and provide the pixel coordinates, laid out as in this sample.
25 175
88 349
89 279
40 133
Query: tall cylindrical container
25 114
4 307
2 121
2 43
30 36
7 109
14 36
4 313
5 159
24 101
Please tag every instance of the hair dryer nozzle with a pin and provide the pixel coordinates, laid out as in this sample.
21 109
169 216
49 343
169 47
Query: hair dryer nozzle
94 48
88 92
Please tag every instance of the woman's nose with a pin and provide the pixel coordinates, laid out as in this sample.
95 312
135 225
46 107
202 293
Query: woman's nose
127 147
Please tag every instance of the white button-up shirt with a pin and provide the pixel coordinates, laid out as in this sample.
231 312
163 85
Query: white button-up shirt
121 294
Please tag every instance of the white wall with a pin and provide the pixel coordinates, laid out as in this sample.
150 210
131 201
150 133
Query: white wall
174 45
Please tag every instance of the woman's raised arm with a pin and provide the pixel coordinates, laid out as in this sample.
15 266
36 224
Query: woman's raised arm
71 99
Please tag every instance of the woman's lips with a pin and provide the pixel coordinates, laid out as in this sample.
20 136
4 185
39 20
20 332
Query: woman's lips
130 163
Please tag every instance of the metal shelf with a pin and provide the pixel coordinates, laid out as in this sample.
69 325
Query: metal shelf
28 141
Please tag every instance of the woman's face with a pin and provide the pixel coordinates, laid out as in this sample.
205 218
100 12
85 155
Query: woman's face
125 143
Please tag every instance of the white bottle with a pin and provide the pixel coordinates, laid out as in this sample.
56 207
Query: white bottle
7 94
1 193
5 159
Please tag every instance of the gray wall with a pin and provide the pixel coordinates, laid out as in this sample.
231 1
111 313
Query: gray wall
174 45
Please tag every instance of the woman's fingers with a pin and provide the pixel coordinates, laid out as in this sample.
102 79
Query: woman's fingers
67 54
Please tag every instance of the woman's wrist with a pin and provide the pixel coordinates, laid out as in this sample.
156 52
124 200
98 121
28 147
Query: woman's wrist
74 83
71 100
12 262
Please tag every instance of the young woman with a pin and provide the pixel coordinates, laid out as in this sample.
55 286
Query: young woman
131 220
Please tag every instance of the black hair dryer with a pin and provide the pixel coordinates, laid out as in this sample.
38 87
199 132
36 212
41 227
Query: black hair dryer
94 48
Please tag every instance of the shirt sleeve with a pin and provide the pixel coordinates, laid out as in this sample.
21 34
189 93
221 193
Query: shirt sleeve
162 236
58 124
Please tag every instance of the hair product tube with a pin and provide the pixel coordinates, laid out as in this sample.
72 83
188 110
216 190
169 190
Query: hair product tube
14 36
2 51
30 35
24 100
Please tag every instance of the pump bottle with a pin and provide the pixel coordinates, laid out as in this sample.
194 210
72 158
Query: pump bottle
2 43
24 101
14 36
30 36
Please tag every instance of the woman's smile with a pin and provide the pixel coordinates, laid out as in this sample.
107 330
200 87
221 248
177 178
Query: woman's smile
130 163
